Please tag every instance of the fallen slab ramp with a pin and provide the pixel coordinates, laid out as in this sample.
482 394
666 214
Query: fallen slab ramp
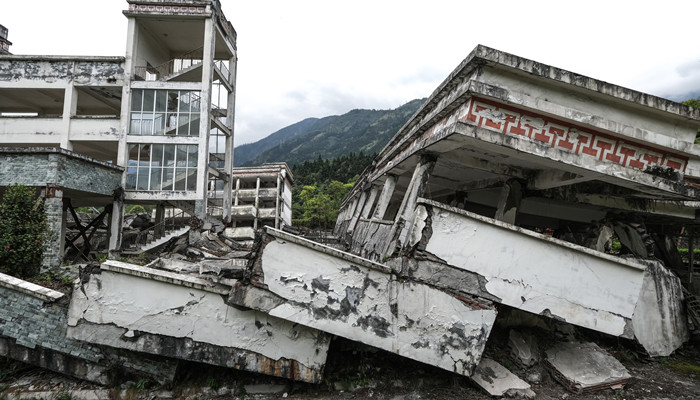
178 316
335 292
497 381
585 367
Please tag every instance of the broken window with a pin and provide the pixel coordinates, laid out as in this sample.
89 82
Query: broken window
165 112
157 167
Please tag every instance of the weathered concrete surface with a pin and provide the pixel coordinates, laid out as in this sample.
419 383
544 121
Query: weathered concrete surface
585 367
33 331
496 380
146 310
567 282
348 296
659 321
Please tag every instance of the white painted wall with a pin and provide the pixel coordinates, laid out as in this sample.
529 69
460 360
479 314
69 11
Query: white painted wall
426 325
135 303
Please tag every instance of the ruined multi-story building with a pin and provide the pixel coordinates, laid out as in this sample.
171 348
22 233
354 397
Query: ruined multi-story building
152 127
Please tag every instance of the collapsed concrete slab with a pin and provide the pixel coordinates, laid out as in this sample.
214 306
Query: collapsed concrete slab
585 367
497 381
332 291
574 284
146 310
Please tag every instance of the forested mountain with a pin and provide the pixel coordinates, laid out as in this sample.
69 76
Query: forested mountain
365 131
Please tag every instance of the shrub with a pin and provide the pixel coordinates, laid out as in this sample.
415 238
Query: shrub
23 229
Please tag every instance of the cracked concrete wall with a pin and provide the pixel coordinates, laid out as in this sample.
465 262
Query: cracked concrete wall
61 69
33 330
335 292
563 281
134 309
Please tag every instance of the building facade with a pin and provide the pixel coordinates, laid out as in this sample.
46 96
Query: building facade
163 113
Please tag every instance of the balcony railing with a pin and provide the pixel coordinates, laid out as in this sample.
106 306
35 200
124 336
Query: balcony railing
171 67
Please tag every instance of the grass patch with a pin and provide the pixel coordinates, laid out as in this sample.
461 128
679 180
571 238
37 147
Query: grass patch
685 367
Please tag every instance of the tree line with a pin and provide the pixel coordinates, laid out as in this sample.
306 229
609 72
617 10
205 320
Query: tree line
320 187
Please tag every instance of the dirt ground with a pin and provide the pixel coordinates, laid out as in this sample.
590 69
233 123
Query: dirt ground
357 372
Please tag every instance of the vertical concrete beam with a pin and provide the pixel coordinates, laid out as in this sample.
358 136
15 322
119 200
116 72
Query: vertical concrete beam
404 217
257 203
70 106
278 212
358 210
205 119
230 142
238 187
160 220
509 202
56 220
385 196
370 202
115 225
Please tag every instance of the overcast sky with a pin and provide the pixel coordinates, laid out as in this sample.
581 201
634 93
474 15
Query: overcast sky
308 58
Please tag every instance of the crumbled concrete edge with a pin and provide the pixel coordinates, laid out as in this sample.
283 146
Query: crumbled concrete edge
40 292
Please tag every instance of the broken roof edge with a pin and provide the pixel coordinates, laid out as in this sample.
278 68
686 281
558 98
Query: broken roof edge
42 293
634 264
34 57
486 55
165 276
58 150
328 250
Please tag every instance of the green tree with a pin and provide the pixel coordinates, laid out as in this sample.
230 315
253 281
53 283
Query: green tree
23 229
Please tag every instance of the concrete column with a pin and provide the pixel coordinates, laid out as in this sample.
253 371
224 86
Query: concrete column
70 107
56 219
115 225
385 197
370 202
404 217
159 231
257 202
228 156
278 213
205 119
235 195
358 210
509 202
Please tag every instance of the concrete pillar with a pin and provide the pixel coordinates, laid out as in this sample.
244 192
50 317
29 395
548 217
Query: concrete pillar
509 202
404 217
235 195
257 200
159 230
56 220
205 121
115 225
278 212
370 202
70 107
358 210
385 196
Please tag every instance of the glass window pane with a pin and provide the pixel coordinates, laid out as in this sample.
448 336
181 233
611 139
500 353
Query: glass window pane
181 156
195 100
168 178
135 125
194 125
155 178
171 128
172 100
183 125
142 181
136 96
161 100
157 155
180 177
159 124
192 179
148 100
185 99
146 124
192 155
169 156
144 154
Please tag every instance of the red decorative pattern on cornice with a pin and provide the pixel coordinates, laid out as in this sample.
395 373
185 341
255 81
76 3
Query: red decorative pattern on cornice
568 137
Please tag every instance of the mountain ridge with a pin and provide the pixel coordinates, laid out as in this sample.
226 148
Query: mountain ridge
358 130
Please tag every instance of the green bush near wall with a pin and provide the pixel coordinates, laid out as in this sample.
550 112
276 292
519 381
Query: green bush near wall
23 229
